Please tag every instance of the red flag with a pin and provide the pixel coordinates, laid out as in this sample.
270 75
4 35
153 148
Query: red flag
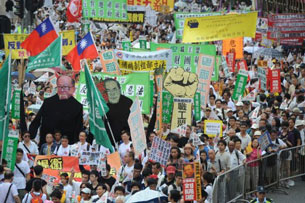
74 11
85 49
40 38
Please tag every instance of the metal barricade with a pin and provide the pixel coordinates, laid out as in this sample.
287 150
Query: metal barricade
229 186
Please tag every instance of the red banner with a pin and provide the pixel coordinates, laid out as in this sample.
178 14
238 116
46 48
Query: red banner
191 182
231 61
242 65
275 81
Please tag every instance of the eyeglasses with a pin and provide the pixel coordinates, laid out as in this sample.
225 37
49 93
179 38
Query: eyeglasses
64 87
25 136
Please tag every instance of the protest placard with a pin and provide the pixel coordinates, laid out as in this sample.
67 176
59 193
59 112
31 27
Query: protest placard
275 80
185 56
262 76
160 151
157 5
16 104
10 144
181 130
242 65
102 164
215 73
262 25
264 140
191 181
89 158
225 67
114 161
213 128
197 107
135 122
250 97
167 106
234 45
240 84
109 62
204 72
159 118
138 66
213 28
81 93
182 112
230 58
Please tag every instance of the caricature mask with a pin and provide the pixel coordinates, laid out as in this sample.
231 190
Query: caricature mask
113 91
65 87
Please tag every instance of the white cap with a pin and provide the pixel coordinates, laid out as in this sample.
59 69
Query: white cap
257 133
299 123
239 103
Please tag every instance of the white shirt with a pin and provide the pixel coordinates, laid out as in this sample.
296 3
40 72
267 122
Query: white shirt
126 172
33 148
63 151
28 197
19 179
235 161
209 190
4 189
69 190
123 149
245 140
82 147
76 187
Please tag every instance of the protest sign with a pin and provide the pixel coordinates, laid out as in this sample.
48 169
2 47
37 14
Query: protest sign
262 63
250 97
114 161
16 104
81 93
68 41
54 165
234 45
215 73
109 62
197 107
135 66
133 85
204 72
143 43
159 86
32 89
264 140
10 145
107 10
213 28
157 5
262 25
185 55
242 65
181 130
102 167
230 57
126 45
135 122
191 181
182 112
254 114
262 76
160 151
134 17
12 42
89 158
240 84
275 80
225 66
180 17
213 128
167 106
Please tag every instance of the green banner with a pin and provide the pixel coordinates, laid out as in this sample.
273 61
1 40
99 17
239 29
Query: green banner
197 107
16 104
5 96
143 43
97 109
240 84
186 55
167 107
180 17
133 85
108 10
215 74
10 148
48 58
126 46
81 92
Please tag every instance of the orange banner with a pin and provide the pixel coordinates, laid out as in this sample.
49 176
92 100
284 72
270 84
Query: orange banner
109 62
114 161
159 84
233 45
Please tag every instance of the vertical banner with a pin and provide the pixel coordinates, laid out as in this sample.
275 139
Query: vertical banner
225 67
204 73
167 107
275 81
233 46
10 148
240 84
160 151
215 74
242 65
109 62
182 112
81 93
197 107
262 76
16 104
191 181
126 45
159 85
135 122
231 61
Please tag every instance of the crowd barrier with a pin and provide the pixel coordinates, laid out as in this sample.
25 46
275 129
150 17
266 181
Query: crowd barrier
273 171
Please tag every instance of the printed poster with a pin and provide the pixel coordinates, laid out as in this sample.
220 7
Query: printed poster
182 112
264 140
109 62
234 45
240 84
191 181
275 81
167 106
89 158
213 128
160 151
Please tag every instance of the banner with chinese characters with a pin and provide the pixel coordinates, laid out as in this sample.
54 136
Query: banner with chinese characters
135 122
264 140
134 17
10 148
204 73
133 85
213 128
185 55
262 76
68 41
234 45
230 57
225 66
109 62
160 151
16 104
197 107
240 84
180 17
182 112
191 182
114 10
275 80
13 41
81 92
159 87
135 66
157 5
214 28
167 106
53 166
89 158
215 73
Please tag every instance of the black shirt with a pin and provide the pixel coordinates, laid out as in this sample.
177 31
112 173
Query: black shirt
110 181
29 184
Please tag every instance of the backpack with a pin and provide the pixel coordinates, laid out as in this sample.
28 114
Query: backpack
36 198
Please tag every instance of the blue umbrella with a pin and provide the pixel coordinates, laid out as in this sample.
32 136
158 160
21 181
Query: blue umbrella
28 76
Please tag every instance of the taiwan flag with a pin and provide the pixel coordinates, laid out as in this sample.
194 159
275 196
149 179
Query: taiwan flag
40 38
85 49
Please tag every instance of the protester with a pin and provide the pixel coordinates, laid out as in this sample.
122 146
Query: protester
36 194
8 189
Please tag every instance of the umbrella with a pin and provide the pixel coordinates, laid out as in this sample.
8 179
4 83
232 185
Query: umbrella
269 52
34 107
28 76
147 195
250 49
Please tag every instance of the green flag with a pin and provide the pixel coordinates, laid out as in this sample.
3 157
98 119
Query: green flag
48 58
5 96
240 84
97 109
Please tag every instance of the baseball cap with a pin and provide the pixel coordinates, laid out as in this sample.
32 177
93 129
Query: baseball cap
86 190
261 189
298 123
171 169
239 104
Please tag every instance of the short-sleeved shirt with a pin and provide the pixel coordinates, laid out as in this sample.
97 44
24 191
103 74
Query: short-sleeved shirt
19 178
29 184
4 187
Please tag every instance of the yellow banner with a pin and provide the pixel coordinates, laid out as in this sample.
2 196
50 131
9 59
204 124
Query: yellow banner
13 41
182 112
213 28
145 65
